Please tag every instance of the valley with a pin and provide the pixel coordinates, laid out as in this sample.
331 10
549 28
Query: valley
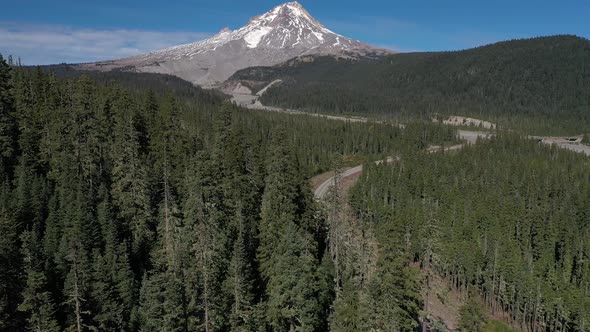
280 176
568 142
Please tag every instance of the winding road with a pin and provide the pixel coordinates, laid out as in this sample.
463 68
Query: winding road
470 137
322 190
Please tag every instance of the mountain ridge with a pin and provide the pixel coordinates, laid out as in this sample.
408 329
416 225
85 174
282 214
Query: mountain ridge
285 32
536 83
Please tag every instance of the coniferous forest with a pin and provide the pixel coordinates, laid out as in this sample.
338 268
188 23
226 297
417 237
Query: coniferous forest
138 202
508 218
133 208
539 85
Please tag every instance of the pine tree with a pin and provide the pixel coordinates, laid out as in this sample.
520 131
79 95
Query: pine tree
76 287
37 301
129 188
113 285
279 204
79 240
163 302
210 257
288 251
10 273
166 139
85 131
347 315
8 125
239 282
395 298
472 316
293 286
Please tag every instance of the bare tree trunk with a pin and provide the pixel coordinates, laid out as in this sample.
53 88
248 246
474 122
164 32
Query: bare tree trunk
169 244
535 310
523 321
335 230
493 299
426 298
77 298
236 276
206 285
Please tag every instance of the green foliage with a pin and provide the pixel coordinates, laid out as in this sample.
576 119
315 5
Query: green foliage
8 125
497 326
10 284
537 84
348 310
37 302
472 315
132 210
510 219
395 298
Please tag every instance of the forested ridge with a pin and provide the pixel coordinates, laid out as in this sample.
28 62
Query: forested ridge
508 218
127 209
138 202
540 85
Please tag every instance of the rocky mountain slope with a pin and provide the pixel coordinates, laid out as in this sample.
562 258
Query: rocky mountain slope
285 32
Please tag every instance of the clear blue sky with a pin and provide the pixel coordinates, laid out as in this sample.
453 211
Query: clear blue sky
42 31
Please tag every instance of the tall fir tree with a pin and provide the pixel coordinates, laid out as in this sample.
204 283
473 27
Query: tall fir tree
37 300
129 187
8 124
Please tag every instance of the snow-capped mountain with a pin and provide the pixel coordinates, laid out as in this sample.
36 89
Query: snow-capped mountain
285 32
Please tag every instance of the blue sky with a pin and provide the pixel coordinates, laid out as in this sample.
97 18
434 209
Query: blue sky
42 31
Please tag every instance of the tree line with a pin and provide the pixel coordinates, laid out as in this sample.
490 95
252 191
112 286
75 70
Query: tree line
129 209
537 85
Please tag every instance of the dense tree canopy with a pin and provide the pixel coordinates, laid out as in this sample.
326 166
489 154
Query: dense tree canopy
538 84
129 209
508 217
141 203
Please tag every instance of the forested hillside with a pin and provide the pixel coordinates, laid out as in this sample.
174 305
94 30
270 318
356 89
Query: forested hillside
540 84
142 203
123 209
508 218
137 81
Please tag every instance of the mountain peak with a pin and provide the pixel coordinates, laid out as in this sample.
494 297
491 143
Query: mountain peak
286 14
293 6
285 32
293 3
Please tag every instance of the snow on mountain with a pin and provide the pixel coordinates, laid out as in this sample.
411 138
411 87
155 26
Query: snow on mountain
285 32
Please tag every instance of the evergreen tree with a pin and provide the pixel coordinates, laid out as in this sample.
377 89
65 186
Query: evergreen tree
293 286
79 238
129 188
240 281
288 252
163 303
113 288
395 298
10 273
347 315
8 125
472 316
279 205
163 299
37 301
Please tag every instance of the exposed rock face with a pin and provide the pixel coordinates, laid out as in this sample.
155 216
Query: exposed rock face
285 32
